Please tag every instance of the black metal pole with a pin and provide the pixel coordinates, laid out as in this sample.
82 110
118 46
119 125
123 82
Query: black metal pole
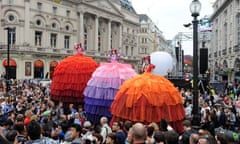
196 114
8 59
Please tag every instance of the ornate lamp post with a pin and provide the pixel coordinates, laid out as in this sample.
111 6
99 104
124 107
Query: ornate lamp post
195 8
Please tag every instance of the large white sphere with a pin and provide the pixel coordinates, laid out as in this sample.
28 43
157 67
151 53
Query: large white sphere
163 62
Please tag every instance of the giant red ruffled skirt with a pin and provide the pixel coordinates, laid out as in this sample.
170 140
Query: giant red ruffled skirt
149 98
70 78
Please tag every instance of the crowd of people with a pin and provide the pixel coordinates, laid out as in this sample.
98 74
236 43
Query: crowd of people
29 116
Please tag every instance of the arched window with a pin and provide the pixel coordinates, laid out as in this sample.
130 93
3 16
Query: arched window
11 69
11 62
38 69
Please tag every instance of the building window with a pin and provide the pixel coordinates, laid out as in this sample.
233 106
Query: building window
66 42
54 10
38 38
144 50
53 40
131 51
12 36
216 39
68 13
11 18
67 28
85 38
38 22
99 41
142 40
39 6
126 51
225 35
54 25
111 42
231 9
10 2
225 13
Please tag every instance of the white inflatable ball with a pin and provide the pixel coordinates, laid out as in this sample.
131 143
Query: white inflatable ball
163 62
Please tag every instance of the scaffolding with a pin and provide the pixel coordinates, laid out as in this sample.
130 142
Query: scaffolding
179 53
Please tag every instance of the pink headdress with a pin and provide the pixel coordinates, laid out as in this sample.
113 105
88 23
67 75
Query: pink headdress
78 47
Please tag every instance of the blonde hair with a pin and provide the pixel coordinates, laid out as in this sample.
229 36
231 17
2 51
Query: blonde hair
34 118
28 113
154 125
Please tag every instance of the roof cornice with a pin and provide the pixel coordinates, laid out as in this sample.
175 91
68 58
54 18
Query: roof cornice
220 9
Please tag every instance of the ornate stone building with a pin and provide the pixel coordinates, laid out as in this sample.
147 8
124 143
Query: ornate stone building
45 31
146 39
150 38
224 54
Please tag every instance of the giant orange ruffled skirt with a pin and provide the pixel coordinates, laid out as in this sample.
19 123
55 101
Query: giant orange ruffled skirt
70 78
149 98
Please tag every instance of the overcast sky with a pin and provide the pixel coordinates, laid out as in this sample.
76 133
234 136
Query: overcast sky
170 15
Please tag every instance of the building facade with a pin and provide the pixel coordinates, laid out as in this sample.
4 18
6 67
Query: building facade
45 31
164 44
146 35
224 54
150 38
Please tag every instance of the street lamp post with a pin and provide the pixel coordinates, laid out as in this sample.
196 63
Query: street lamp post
9 29
195 8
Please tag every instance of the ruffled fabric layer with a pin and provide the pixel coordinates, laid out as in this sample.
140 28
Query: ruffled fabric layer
99 93
102 87
148 98
70 78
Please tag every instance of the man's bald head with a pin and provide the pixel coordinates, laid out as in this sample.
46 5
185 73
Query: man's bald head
103 120
139 131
